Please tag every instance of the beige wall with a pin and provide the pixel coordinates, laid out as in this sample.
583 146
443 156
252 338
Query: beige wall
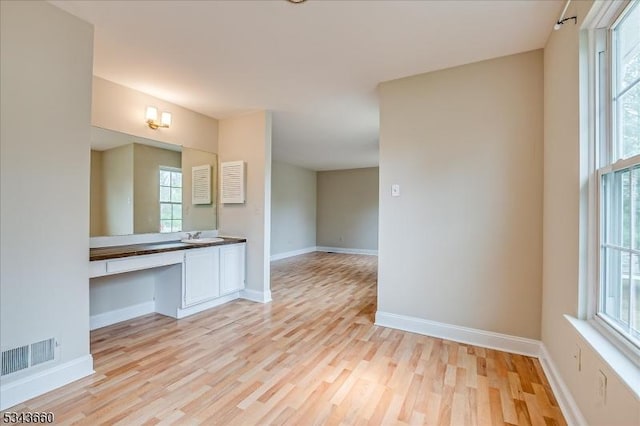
348 209
293 208
248 138
46 60
96 196
123 109
563 240
117 190
198 217
120 291
462 244
146 185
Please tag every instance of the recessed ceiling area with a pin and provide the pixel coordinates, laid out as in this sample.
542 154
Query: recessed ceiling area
315 65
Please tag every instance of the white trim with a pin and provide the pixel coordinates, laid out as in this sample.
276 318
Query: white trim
347 250
325 249
135 311
185 312
488 339
600 21
603 13
256 296
18 391
118 315
568 406
292 253
617 338
473 336
589 268
625 163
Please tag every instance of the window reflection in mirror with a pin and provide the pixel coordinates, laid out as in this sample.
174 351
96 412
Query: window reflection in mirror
143 186
170 199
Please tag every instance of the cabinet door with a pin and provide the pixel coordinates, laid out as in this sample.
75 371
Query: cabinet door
231 268
201 279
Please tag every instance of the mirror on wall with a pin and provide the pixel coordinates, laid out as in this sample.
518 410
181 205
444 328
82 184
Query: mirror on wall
141 186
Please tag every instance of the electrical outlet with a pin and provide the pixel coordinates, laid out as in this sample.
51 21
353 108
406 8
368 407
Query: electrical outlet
577 355
602 388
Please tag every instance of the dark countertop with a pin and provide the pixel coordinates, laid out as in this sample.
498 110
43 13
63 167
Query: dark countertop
115 252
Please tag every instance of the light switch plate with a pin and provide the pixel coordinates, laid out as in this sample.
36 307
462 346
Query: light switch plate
395 190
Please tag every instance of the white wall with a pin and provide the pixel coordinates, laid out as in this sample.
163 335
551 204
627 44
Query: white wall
462 244
46 60
293 208
248 138
563 249
348 209
120 108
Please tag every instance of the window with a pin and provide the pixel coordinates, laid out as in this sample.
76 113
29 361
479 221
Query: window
170 199
618 174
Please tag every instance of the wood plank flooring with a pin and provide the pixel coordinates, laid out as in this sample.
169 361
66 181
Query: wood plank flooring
312 356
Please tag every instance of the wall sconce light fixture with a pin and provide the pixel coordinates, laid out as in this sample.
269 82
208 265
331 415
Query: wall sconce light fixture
152 118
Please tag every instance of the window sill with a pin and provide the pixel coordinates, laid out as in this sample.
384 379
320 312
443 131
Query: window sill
626 370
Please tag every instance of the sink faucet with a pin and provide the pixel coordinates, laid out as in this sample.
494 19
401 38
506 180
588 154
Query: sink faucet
196 235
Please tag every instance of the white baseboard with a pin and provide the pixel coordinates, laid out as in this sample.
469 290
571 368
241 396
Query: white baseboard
118 315
568 406
256 296
347 250
488 339
473 336
182 313
44 381
293 253
341 250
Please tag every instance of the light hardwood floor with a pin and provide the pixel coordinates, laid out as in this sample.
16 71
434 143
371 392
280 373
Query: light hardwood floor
312 356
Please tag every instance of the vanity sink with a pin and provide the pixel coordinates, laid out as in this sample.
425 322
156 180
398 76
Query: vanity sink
207 240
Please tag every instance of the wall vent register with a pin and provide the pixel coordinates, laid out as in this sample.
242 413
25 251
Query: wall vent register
26 356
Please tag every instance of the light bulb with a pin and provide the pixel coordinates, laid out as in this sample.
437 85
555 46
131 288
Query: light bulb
152 113
165 119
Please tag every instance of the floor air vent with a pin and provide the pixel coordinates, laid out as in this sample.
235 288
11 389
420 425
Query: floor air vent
28 356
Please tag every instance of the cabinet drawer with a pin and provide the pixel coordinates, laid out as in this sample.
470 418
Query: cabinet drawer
143 262
97 268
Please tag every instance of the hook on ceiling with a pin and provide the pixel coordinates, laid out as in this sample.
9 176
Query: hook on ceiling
561 20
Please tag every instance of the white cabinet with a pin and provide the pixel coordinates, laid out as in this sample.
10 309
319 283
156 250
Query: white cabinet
201 275
232 268
187 281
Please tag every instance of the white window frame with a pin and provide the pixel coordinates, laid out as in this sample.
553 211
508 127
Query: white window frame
601 146
160 203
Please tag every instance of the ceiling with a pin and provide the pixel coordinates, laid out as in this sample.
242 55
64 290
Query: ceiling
316 65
